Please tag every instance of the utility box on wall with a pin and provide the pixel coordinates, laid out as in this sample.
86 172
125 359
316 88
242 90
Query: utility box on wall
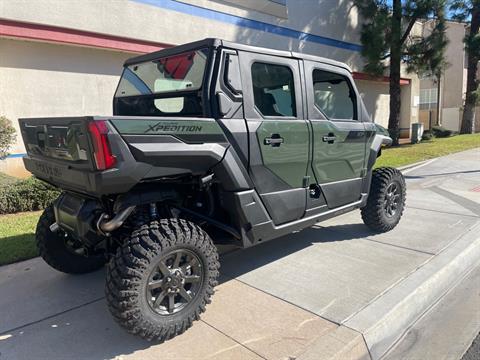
417 132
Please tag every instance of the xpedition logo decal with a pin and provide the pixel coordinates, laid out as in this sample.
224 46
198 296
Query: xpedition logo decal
172 127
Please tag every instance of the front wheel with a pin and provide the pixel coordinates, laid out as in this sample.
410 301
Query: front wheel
386 200
161 278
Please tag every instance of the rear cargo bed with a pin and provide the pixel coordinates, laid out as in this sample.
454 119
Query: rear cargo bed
104 155
62 152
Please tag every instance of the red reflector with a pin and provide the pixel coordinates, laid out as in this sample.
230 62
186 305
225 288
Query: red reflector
102 153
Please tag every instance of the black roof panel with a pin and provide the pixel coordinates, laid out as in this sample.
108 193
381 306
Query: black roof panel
213 42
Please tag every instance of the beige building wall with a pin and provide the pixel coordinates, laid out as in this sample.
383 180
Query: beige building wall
376 99
338 20
453 81
453 84
39 79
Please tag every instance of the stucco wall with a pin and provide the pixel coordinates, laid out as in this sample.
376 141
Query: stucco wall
376 99
451 118
39 79
191 20
453 82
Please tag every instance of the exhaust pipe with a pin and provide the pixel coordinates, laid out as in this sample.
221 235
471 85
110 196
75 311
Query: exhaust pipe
105 226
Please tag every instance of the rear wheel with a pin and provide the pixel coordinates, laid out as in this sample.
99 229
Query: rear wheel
386 200
161 279
62 251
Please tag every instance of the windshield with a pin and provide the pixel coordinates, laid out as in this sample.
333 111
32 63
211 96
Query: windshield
151 88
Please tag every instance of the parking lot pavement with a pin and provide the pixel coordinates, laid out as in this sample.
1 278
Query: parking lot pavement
329 273
242 323
32 291
327 292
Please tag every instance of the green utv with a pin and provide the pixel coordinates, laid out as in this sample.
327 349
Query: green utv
211 142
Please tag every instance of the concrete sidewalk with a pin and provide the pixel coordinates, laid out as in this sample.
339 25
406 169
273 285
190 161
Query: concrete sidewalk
331 291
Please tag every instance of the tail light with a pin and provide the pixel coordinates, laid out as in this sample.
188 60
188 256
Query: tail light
104 158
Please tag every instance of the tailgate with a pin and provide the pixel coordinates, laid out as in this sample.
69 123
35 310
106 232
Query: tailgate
59 150
62 139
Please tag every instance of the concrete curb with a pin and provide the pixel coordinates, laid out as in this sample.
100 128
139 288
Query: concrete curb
384 321
414 166
341 344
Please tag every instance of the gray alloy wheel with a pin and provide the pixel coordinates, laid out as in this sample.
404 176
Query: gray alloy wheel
175 281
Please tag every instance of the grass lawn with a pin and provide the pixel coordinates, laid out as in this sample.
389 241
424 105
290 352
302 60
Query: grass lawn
17 237
408 154
7 179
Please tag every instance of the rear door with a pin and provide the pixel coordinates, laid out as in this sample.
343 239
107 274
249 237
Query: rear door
338 133
278 133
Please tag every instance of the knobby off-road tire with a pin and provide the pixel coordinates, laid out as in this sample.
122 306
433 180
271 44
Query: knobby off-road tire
147 271
55 250
386 200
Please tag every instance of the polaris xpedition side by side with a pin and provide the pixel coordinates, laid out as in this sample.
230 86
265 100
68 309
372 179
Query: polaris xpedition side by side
210 142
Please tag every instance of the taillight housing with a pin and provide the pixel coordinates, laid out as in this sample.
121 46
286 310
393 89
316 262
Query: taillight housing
104 159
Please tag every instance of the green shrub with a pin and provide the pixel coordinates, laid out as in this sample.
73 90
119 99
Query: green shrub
26 195
427 135
441 132
7 136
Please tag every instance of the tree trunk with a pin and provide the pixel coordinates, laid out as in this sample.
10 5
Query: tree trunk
472 84
395 60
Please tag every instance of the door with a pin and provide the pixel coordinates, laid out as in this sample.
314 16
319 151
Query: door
338 133
279 143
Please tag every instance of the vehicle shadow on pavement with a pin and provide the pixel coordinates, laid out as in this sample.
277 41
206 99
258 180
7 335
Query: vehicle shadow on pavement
237 263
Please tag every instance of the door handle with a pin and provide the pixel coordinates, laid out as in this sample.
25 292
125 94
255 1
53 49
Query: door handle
330 138
275 140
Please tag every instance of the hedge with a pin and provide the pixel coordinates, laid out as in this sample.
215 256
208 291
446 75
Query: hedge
26 195
440 132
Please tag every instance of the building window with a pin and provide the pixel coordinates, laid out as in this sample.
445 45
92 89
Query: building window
333 95
428 99
273 90
276 8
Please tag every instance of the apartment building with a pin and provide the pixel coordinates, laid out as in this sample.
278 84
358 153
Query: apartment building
442 100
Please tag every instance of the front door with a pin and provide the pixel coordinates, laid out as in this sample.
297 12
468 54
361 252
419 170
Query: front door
279 143
338 133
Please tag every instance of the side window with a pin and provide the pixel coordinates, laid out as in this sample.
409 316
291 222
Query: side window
273 90
334 96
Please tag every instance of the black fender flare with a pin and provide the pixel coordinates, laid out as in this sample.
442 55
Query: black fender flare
376 146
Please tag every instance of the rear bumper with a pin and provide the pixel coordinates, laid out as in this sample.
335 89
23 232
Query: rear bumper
66 178
60 175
